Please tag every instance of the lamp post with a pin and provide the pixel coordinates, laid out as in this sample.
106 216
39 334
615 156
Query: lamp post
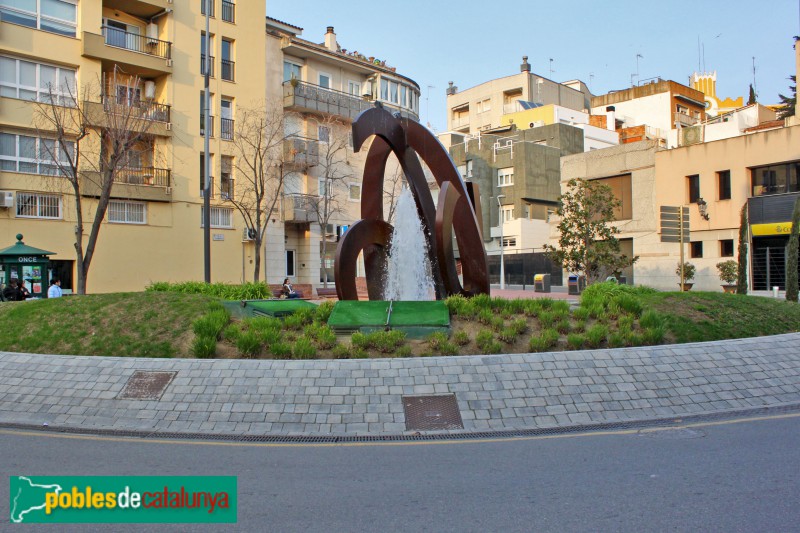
206 159
502 263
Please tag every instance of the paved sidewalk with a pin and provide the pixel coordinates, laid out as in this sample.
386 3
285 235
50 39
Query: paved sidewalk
365 396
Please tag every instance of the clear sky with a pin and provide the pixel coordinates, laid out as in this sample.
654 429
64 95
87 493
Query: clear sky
597 41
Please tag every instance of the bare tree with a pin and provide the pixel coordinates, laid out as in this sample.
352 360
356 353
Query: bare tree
261 163
333 171
392 187
86 140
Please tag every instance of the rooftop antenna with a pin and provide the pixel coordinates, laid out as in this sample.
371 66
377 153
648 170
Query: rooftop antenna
428 104
638 56
591 78
755 88
699 55
551 68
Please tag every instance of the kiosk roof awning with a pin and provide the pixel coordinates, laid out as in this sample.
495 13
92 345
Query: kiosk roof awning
20 248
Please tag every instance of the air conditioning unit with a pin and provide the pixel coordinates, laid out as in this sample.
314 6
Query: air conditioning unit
330 230
152 33
6 199
248 234
536 124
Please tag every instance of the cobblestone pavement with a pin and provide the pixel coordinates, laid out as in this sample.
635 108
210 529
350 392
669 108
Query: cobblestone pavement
365 396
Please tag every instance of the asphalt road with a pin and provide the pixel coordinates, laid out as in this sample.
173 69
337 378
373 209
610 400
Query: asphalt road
731 476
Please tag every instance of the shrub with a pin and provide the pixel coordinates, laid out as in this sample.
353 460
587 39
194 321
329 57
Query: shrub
404 351
629 303
545 303
580 313
456 304
560 306
461 338
482 301
650 319
204 347
493 347
516 306
532 308
548 338
547 319
303 349
211 324
325 338
688 271
575 340
505 313
300 318
728 271
625 322
613 310
579 326
537 344
231 332
497 323
261 323
323 312
359 340
269 337
520 325
654 335
281 350
248 344
435 340
508 335
341 351
484 339
386 341
563 327
485 316
617 340
633 339
223 291
595 335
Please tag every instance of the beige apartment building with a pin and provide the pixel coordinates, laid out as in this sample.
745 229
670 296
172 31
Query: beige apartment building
153 228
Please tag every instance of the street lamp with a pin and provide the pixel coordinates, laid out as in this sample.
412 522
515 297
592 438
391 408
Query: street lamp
702 205
502 263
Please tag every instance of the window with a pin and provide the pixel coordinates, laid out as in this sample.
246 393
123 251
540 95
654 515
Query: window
621 188
468 169
355 192
726 248
393 92
384 89
226 118
354 88
693 183
505 177
290 264
228 11
127 212
325 80
18 79
485 105
57 16
207 6
404 96
227 60
682 109
203 113
31 205
509 241
776 179
696 249
31 155
203 174
221 217
323 134
290 71
226 177
724 184
203 47
322 187
507 213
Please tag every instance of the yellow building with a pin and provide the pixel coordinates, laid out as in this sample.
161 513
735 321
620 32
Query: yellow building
707 84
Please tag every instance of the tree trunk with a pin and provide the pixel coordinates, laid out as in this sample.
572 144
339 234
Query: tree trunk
257 262
324 253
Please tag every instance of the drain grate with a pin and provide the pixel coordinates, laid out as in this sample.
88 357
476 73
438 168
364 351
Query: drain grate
146 385
424 413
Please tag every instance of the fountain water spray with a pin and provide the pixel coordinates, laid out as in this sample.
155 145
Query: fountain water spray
408 272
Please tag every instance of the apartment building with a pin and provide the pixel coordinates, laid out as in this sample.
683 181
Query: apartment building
323 87
153 227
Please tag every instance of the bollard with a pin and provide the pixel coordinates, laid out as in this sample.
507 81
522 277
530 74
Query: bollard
775 291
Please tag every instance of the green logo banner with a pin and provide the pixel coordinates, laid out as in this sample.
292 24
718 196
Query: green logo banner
122 499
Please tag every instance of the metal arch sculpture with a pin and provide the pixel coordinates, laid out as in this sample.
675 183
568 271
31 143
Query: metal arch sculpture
458 211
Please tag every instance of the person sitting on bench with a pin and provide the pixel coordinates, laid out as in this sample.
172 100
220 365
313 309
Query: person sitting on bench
288 291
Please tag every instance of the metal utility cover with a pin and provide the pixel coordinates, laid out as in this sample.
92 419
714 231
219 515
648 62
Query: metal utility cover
146 385
425 413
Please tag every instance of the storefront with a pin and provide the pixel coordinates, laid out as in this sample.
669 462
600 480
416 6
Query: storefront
770 226
27 265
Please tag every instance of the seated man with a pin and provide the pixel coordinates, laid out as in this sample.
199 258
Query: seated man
11 293
287 290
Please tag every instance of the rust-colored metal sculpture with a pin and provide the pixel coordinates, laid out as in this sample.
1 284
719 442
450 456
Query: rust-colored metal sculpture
458 211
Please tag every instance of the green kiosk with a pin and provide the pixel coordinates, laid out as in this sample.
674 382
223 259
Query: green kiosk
27 265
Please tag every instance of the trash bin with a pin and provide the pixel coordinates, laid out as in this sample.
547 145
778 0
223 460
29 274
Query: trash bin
541 283
575 284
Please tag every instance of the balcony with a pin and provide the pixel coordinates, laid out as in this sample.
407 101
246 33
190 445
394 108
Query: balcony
301 152
304 96
226 188
228 11
144 56
299 208
460 122
203 125
145 176
139 8
135 183
684 120
143 109
210 185
228 69
203 65
226 129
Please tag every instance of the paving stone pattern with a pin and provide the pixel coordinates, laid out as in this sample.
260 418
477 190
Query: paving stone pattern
365 396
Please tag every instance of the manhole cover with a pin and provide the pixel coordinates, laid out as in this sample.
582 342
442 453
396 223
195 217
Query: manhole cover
672 433
425 413
146 385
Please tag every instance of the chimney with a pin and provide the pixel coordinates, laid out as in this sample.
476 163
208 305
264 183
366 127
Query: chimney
611 118
330 40
451 90
525 66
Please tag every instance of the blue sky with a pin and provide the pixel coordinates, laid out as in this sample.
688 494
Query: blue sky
597 41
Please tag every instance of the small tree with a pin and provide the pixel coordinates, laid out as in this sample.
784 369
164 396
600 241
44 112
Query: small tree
688 271
87 141
792 251
587 242
261 166
333 171
752 98
727 271
741 274
789 103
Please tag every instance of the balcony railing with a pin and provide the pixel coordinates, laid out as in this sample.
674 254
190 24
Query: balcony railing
228 69
147 176
301 151
226 188
683 119
141 108
137 43
203 65
226 128
202 187
460 122
299 207
210 125
228 11
309 96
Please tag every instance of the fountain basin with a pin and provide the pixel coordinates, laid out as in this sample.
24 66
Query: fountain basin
416 319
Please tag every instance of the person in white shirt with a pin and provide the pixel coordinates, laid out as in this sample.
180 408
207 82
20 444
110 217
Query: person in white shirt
55 289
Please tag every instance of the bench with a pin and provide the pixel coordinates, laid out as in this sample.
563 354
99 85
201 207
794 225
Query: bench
300 289
326 293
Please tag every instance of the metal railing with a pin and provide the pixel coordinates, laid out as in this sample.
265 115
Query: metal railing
228 70
299 207
310 96
226 128
203 65
142 108
301 151
210 124
138 43
226 188
228 11
459 122
210 186
148 176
